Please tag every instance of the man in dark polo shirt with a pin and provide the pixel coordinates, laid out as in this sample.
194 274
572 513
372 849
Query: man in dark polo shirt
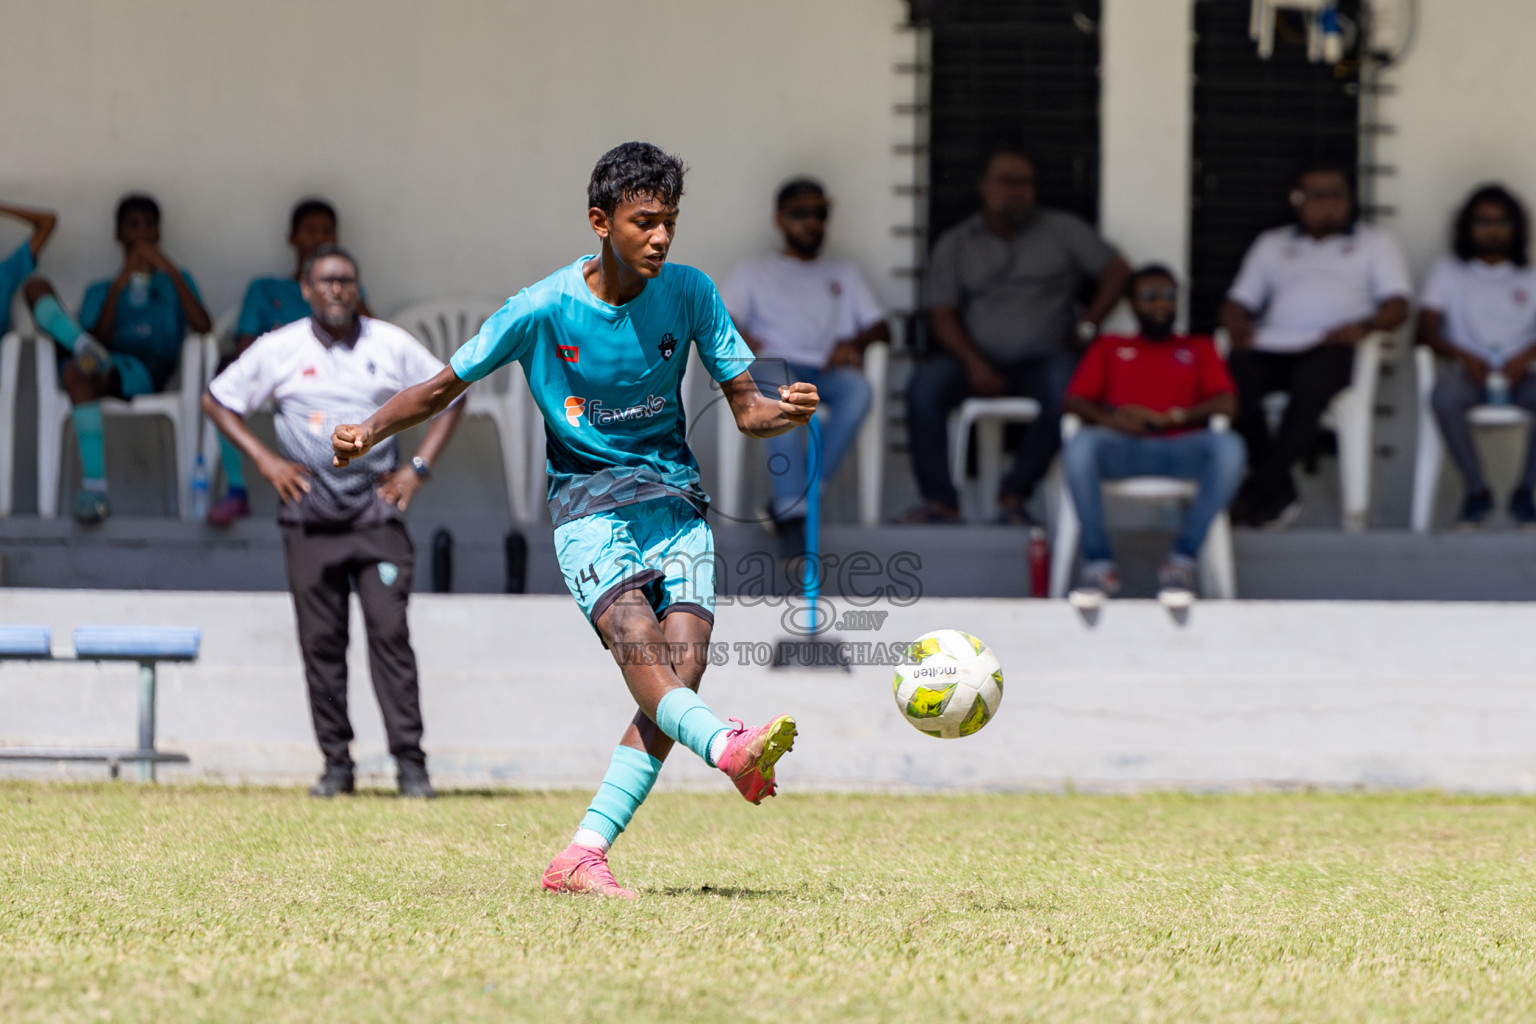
1002 302
342 529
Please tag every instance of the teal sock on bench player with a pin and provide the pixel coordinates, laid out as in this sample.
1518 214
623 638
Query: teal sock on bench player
61 327
93 459
234 470
631 774
687 719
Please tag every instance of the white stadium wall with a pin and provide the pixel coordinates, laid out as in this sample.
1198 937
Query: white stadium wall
455 136
517 691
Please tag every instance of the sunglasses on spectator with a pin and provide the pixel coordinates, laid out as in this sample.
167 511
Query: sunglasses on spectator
1152 294
808 213
342 283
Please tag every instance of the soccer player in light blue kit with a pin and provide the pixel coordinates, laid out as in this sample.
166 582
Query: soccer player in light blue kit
603 343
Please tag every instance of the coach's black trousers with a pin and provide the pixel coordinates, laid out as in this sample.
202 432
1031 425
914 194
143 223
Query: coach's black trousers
324 568
1311 377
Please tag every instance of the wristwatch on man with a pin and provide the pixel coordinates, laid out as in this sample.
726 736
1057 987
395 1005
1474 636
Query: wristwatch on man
421 466
1087 330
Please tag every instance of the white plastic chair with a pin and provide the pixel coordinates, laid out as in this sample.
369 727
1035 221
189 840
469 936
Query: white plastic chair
1430 454
1352 416
988 415
178 403
443 324
10 365
1218 576
215 343
869 448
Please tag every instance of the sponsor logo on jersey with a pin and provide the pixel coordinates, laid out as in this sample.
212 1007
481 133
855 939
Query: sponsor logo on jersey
597 414
309 371
1184 356
667 347
570 353
1126 352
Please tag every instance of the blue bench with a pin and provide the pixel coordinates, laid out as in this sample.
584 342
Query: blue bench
148 646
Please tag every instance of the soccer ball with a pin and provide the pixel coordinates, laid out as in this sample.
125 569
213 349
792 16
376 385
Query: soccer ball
951 687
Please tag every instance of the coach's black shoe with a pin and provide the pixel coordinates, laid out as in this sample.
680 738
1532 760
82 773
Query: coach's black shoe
414 782
335 780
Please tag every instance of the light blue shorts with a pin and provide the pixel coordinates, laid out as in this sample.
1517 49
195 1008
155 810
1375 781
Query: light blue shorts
662 547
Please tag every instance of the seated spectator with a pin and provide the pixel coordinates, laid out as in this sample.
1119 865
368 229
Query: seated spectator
1145 403
270 303
1001 294
20 264
815 314
127 341
1479 317
1306 295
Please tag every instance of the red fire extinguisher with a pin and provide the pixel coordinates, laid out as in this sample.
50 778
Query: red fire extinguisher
1039 563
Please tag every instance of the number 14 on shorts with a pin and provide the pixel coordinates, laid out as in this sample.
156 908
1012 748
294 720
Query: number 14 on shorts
588 575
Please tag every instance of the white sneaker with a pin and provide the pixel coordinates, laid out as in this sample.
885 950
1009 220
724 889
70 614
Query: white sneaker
1099 582
1176 583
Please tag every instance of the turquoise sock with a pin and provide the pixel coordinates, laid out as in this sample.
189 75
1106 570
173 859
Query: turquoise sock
93 459
688 720
631 774
234 469
61 327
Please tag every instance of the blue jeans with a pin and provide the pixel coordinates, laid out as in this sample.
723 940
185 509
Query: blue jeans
847 397
1214 461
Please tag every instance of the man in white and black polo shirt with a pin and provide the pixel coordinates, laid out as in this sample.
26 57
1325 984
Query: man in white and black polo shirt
342 529
1305 297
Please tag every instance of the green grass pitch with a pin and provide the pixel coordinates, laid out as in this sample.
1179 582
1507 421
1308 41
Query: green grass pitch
184 903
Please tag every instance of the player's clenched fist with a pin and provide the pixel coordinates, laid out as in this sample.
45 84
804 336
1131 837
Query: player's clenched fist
350 441
798 402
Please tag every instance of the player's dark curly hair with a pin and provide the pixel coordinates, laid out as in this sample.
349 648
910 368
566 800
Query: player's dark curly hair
305 207
330 250
1519 224
136 202
632 170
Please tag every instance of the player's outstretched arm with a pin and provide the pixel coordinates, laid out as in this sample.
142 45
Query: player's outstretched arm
415 404
42 221
757 415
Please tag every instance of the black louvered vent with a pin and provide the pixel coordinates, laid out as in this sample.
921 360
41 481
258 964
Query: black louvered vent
1255 123
1016 72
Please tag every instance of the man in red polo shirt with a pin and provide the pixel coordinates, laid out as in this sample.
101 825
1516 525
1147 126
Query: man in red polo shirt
1146 403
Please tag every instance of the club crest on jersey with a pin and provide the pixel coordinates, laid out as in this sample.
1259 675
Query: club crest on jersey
570 353
667 347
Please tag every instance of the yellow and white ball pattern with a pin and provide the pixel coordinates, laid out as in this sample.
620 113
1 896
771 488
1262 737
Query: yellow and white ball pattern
951 686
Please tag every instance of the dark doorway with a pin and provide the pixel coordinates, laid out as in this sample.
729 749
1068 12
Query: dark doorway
1256 122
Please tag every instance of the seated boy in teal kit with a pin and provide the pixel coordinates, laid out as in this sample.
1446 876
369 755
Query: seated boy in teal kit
20 263
127 341
270 303
603 343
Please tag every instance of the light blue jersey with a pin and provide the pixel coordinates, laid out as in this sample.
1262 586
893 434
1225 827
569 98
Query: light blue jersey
149 323
270 303
13 270
608 380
